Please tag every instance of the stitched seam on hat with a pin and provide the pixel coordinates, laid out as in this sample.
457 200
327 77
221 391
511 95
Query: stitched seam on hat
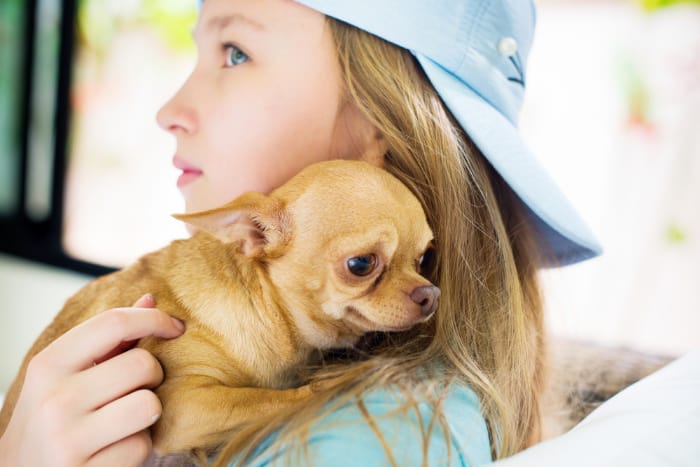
477 17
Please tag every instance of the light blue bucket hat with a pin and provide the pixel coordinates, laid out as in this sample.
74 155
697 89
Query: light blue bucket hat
474 53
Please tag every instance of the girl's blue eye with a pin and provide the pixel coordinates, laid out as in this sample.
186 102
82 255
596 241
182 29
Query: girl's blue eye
234 55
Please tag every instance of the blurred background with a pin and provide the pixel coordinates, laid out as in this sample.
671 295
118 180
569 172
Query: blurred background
612 110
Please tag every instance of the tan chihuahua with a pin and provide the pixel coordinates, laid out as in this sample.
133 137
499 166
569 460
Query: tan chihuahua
331 255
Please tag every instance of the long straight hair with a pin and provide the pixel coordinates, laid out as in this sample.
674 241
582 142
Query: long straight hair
488 330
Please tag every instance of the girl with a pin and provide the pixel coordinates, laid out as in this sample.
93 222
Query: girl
428 90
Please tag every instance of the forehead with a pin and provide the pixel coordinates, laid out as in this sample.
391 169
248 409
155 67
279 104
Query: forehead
221 21
255 15
219 14
364 203
348 226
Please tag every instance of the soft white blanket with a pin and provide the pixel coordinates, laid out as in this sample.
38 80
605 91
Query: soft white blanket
653 423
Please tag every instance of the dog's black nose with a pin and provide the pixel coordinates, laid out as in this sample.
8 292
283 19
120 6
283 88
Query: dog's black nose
427 297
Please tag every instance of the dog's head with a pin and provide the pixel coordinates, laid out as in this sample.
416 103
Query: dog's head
346 244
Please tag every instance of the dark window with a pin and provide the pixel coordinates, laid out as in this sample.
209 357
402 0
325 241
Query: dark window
85 175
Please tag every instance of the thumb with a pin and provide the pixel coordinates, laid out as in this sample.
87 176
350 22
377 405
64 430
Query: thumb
147 301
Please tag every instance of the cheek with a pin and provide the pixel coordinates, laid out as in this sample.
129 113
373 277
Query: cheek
258 145
302 112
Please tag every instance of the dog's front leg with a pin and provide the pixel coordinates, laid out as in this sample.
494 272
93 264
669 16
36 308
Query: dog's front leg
201 413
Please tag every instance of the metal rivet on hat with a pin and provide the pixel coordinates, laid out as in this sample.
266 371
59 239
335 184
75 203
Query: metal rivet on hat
507 46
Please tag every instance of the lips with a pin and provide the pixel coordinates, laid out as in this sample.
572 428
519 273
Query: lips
189 172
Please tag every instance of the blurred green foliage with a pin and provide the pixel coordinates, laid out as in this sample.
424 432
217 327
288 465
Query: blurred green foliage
635 89
174 20
99 21
650 5
675 234
11 35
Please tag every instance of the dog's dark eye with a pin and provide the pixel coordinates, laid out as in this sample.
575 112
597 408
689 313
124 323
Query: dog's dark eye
426 263
362 265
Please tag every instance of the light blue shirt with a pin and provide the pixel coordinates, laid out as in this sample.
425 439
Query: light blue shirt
345 438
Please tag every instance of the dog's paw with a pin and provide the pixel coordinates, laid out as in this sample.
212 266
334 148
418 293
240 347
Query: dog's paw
324 385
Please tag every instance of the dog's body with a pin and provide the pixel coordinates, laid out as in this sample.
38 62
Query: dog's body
272 284
265 282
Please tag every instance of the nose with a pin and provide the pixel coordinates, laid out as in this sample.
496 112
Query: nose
426 296
178 114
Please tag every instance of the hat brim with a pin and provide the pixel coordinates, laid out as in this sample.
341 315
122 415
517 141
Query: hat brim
563 236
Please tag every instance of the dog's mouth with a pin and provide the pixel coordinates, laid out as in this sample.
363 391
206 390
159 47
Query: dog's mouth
361 324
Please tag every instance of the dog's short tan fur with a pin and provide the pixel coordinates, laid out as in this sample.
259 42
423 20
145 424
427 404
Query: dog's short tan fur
262 284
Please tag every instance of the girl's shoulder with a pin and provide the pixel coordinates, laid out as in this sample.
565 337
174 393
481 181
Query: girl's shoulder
382 429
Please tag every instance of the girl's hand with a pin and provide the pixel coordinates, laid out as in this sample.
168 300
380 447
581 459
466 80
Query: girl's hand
86 398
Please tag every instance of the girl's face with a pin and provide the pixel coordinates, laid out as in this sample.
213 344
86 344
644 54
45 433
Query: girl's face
264 100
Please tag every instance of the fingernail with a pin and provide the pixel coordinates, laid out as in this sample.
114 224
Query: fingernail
179 324
155 417
149 298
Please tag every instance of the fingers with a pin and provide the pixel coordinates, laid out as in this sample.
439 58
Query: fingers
110 380
120 419
130 451
147 301
90 341
70 408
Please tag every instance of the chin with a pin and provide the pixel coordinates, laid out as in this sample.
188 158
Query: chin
191 229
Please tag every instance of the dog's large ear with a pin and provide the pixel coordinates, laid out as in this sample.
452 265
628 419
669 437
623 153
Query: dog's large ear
259 224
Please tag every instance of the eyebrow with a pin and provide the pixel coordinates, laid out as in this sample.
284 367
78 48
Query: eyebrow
220 22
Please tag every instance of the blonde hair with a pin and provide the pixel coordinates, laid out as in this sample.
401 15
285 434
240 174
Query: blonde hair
488 330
